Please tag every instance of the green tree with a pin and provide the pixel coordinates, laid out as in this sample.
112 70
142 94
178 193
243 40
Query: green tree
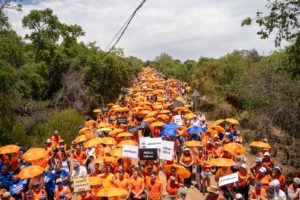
8 4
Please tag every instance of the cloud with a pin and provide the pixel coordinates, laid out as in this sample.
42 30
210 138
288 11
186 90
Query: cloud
185 29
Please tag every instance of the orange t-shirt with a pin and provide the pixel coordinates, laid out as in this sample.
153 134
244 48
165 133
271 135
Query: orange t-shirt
80 156
124 183
155 189
186 159
244 179
84 197
172 187
221 173
281 179
257 193
137 184
64 189
265 180
107 180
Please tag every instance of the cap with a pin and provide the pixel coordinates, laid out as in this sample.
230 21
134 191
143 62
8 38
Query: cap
238 196
216 136
278 168
258 159
186 149
5 195
217 143
49 141
55 132
59 180
263 170
265 140
60 141
182 192
266 154
274 183
227 133
35 183
4 167
296 181
244 166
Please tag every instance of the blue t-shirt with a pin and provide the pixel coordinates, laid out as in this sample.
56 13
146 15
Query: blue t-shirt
15 189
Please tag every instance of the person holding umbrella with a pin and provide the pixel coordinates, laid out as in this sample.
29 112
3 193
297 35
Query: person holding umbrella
187 161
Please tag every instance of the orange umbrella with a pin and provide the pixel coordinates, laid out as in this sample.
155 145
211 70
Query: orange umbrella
108 141
221 162
103 124
34 154
124 134
114 132
232 121
180 99
260 144
219 129
234 148
163 117
181 170
127 142
189 116
117 152
151 114
90 123
193 143
157 107
164 111
112 192
94 180
217 122
104 159
110 105
30 171
179 109
9 149
83 138
159 124
151 119
98 110
93 142
86 131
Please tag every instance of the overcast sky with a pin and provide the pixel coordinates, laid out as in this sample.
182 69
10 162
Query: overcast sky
185 29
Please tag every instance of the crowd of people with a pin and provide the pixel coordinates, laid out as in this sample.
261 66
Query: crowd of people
203 154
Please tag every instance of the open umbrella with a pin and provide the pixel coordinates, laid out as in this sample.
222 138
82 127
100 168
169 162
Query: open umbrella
115 132
171 125
163 117
103 124
189 116
98 110
217 122
94 180
260 144
127 142
168 132
181 170
117 152
108 141
150 119
30 171
34 154
9 149
232 121
93 142
221 162
124 134
195 130
158 124
112 192
193 143
90 123
104 129
234 148
85 130
164 111
104 159
83 138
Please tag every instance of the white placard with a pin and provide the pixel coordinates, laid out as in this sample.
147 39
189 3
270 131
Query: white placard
178 120
167 150
142 142
231 178
153 143
130 151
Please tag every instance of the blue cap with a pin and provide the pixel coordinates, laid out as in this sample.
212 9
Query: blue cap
4 167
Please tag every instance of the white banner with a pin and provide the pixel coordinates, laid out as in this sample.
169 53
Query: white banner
167 150
153 143
130 151
142 142
231 178
178 120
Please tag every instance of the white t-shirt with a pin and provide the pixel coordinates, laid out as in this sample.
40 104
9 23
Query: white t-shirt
81 171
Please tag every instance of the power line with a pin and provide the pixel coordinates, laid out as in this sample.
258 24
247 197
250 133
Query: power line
124 27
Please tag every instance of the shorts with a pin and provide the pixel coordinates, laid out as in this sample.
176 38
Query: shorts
206 174
199 169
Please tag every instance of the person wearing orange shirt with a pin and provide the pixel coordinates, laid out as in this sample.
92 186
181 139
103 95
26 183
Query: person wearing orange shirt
187 161
14 161
154 188
137 186
243 185
280 177
263 177
122 182
205 176
214 194
55 139
257 192
268 163
61 188
173 186
79 155
223 171
38 192
218 151
84 195
107 178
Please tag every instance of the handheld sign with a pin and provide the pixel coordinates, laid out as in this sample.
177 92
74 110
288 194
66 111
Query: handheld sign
130 151
133 129
178 120
142 142
167 150
148 154
153 143
81 184
231 178
122 120
105 109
